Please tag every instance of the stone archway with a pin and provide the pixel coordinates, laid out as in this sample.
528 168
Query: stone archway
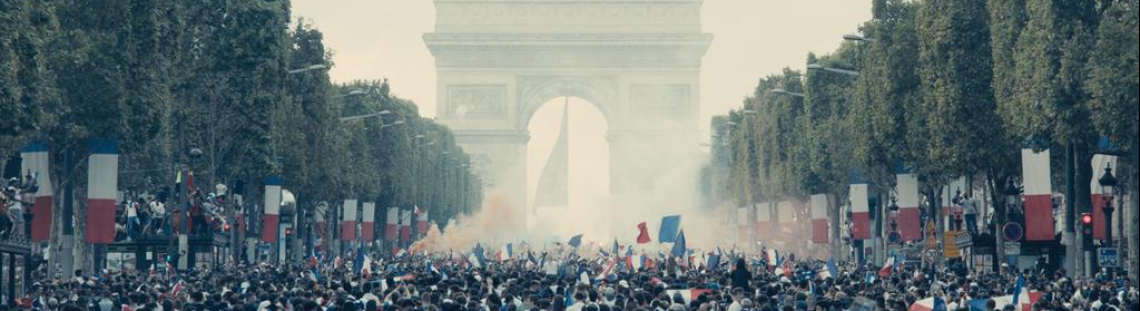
638 62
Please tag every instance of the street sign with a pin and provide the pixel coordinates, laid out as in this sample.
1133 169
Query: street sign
950 245
1012 232
963 239
894 237
1012 248
1108 257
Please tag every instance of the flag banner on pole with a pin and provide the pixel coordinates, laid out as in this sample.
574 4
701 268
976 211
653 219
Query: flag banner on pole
1038 195
744 224
860 216
910 227
669 226
819 219
688 295
1099 163
272 209
368 222
421 221
392 224
642 233
405 226
763 221
784 215
679 248
102 191
575 241
35 165
348 220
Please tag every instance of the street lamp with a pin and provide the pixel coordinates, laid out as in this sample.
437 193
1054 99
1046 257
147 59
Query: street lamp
309 68
380 113
1107 191
779 91
354 92
397 122
857 37
847 72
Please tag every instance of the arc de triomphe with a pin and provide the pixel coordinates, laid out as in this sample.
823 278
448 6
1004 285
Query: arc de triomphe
637 61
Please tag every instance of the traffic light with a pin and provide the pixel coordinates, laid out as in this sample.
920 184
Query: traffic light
1087 229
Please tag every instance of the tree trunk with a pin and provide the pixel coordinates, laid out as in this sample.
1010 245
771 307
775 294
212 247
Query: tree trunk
834 225
1133 222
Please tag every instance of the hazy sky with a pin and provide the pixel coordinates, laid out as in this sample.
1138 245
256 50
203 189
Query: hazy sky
373 39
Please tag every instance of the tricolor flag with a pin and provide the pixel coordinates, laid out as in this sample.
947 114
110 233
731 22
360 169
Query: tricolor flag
272 209
35 164
102 191
888 267
1038 195
819 219
575 241
679 248
689 295
392 224
773 257
421 220
348 220
642 233
368 222
744 224
1099 163
669 227
506 251
177 288
609 269
909 225
405 226
829 270
860 216
763 221
785 212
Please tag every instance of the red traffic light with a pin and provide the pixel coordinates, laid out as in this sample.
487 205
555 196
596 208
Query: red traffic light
1086 219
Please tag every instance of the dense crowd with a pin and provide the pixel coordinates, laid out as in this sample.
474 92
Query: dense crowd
452 282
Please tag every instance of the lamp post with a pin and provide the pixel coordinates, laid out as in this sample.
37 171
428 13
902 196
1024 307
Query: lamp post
1107 191
839 71
779 91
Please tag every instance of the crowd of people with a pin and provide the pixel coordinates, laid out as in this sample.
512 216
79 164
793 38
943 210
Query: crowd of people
562 281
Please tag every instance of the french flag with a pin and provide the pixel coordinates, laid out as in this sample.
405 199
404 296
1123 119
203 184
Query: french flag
1038 195
348 221
36 163
888 267
272 209
744 225
860 217
909 225
392 224
368 222
689 295
102 191
1099 163
421 221
763 221
784 213
819 219
405 226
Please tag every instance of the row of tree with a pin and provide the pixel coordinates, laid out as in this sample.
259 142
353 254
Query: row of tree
231 88
948 89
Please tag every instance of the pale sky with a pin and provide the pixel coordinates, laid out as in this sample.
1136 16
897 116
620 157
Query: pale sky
374 39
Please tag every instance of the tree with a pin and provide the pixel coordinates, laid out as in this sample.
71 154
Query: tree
1114 87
